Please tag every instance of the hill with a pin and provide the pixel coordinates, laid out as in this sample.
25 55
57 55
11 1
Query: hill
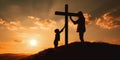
75 51
9 56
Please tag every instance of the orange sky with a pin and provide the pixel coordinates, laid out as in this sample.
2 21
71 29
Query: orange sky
24 20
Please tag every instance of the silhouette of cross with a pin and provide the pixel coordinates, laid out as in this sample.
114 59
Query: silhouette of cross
66 14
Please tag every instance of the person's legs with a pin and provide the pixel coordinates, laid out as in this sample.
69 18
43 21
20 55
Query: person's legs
81 36
55 44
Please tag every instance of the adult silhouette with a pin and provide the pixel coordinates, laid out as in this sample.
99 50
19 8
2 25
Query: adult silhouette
80 25
57 36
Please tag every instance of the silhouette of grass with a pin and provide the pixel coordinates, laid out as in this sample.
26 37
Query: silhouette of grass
75 51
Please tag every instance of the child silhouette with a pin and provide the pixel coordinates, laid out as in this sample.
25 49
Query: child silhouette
57 36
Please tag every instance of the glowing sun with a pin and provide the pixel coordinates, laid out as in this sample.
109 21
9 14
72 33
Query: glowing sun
33 42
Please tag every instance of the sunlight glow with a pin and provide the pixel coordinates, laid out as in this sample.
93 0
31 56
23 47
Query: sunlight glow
33 42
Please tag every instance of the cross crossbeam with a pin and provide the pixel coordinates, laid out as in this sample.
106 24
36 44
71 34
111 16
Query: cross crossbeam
63 13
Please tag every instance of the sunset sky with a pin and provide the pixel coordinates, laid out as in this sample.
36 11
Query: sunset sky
26 21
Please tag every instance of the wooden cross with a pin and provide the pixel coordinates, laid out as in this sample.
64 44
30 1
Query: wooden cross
66 14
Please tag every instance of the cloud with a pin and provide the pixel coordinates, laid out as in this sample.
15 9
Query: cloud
2 21
11 25
31 23
18 41
42 23
88 18
109 20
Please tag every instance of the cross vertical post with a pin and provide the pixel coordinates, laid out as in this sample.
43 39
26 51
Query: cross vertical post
66 24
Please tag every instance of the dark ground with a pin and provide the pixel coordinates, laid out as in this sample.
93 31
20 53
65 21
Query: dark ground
75 51
9 56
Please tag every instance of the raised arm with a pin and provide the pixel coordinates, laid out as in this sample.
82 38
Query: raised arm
75 22
62 29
